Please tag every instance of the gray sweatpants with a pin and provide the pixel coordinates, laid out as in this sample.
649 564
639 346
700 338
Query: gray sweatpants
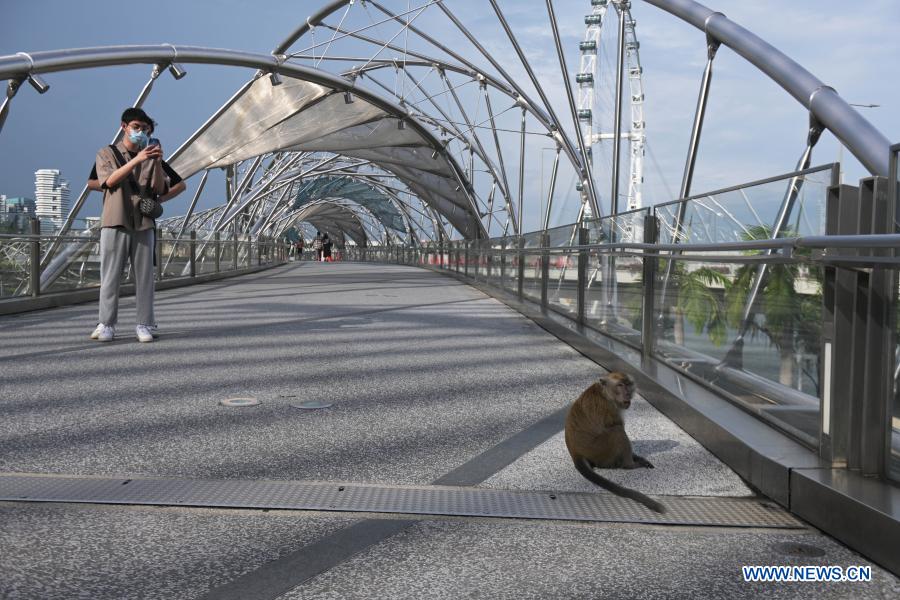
117 243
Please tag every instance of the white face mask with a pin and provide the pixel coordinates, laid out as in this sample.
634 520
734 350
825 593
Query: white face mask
138 138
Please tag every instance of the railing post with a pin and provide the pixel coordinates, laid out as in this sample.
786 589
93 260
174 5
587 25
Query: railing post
484 260
545 268
878 350
479 257
520 275
503 243
650 264
466 264
217 245
839 369
583 240
35 265
193 252
234 257
259 251
489 262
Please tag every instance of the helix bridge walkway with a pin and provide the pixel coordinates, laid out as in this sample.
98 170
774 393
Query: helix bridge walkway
353 430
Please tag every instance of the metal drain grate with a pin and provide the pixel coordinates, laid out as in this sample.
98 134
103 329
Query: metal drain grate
426 500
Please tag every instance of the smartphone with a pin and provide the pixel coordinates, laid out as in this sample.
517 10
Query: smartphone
153 142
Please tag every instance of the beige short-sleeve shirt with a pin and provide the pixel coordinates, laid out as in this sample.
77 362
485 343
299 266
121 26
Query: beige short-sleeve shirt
120 203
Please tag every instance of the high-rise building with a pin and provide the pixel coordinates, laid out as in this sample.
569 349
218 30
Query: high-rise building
16 213
51 194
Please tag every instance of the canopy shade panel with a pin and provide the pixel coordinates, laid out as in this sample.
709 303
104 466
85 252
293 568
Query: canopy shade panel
377 202
299 115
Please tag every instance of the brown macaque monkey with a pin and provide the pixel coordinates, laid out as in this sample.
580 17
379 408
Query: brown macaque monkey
596 438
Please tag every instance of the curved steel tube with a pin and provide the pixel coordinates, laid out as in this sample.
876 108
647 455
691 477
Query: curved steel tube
855 132
13 66
311 22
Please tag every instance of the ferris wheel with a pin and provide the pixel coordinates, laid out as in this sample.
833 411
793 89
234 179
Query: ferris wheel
587 79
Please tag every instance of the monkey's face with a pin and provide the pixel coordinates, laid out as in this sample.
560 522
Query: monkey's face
620 387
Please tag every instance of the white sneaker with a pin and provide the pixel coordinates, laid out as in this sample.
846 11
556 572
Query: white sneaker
143 333
103 333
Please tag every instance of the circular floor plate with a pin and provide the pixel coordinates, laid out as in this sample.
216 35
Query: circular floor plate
312 405
235 402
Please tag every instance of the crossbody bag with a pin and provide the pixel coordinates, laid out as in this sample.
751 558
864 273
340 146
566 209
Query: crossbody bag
148 203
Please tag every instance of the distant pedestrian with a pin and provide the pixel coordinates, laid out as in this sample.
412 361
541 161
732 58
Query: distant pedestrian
317 245
326 248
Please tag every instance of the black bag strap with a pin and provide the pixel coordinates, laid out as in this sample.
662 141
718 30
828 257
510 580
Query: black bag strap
121 162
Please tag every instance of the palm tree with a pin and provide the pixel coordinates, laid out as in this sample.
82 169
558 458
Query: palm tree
698 302
792 321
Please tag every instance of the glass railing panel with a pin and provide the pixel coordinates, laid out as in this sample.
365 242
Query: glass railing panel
175 257
246 257
496 263
486 257
15 265
531 280
562 279
511 280
82 262
770 365
226 255
563 236
614 296
206 255
762 348
614 292
562 282
531 286
477 268
483 258
532 240
627 227
751 211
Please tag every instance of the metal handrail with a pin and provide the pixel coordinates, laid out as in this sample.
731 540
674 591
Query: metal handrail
882 240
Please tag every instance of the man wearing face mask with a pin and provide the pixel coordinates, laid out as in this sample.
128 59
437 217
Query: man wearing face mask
126 171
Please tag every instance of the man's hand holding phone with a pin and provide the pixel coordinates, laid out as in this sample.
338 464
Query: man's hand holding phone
153 149
155 146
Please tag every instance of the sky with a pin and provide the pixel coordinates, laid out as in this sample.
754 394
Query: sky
753 128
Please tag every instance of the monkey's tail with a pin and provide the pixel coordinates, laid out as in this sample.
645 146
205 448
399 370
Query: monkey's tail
584 467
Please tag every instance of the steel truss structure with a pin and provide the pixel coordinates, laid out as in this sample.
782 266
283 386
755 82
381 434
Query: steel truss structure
405 100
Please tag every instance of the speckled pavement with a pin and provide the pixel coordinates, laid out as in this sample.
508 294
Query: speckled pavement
423 374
